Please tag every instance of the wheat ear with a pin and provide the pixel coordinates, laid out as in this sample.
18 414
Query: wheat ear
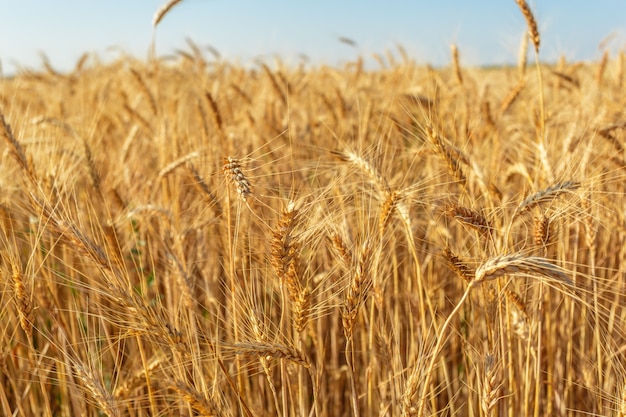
469 217
542 232
512 96
518 264
162 11
16 149
199 402
602 68
166 170
546 195
523 53
23 298
459 266
530 22
451 158
285 260
341 249
620 70
234 174
607 133
139 377
515 264
284 249
386 210
357 292
621 411
455 63
98 392
143 85
272 351
215 111
275 84
490 386
355 298
204 187
368 169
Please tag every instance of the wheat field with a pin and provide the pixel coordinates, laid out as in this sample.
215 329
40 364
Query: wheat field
188 236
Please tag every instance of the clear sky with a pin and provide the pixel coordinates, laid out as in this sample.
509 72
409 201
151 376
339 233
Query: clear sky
486 32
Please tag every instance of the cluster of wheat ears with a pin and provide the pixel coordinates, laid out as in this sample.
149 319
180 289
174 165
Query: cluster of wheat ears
188 237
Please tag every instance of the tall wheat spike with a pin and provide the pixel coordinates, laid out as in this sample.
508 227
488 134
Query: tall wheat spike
162 11
533 31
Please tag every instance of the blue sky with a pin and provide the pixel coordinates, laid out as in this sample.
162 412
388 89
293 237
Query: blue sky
486 32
